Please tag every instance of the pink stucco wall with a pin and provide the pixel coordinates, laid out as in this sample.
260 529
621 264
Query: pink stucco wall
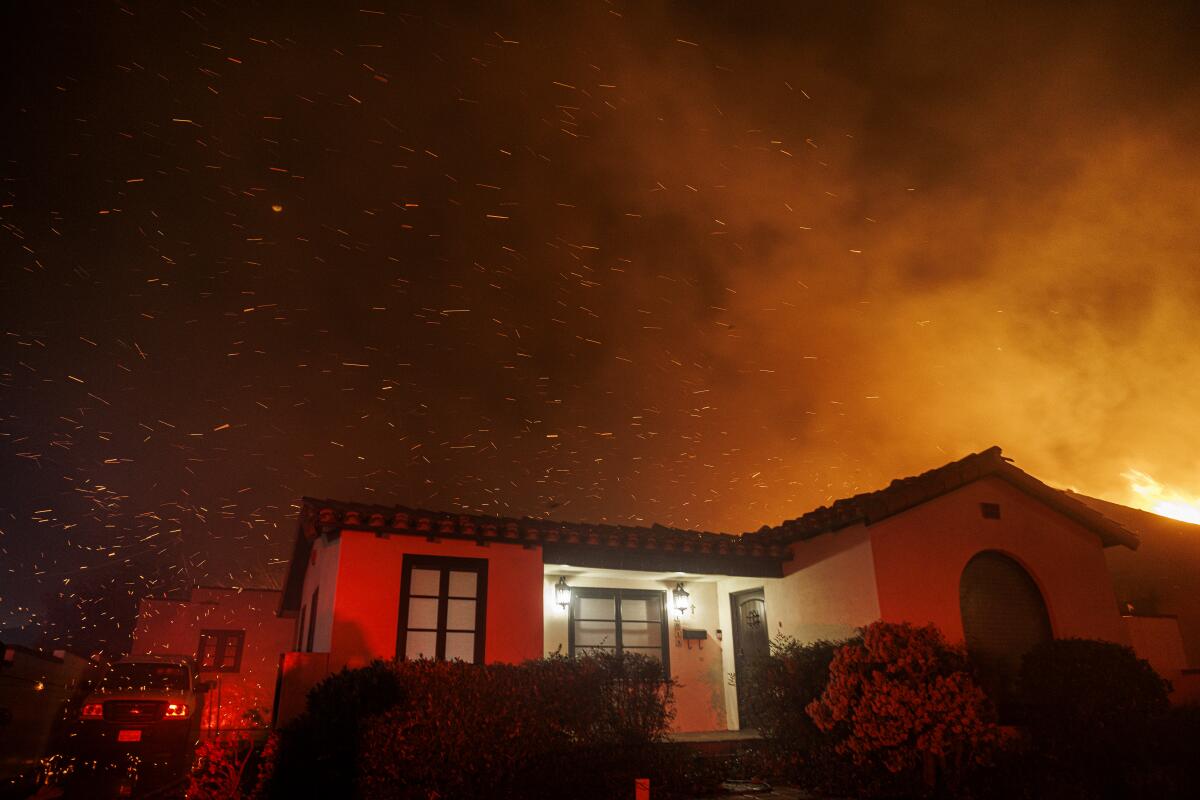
920 555
173 627
367 603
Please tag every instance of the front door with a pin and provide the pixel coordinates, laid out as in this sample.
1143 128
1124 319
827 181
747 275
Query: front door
750 643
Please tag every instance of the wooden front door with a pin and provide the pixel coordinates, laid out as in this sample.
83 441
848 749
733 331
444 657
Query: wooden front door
750 643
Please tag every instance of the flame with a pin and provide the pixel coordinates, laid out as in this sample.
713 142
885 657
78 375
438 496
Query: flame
1152 496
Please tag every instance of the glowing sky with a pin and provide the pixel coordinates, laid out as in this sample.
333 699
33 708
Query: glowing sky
626 262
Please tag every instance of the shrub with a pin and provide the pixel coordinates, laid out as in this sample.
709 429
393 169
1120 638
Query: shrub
317 751
904 699
778 691
1085 693
221 763
266 766
573 728
1092 709
1176 752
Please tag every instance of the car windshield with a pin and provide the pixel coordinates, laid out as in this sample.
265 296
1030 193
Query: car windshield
135 677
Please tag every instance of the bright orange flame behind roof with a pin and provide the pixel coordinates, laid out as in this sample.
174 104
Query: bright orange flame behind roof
1150 495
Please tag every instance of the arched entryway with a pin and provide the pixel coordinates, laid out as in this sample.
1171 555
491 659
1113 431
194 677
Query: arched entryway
1004 617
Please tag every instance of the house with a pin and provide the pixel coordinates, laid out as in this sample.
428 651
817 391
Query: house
991 555
237 640
1158 592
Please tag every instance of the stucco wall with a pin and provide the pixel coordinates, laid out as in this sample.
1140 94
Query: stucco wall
367 606
920 555
173 627
1157 640
322 574
827 592
700 691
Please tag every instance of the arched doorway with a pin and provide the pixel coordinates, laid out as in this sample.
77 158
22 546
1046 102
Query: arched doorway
1004 617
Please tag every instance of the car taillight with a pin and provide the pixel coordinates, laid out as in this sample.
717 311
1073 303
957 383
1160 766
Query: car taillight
176 710
92 711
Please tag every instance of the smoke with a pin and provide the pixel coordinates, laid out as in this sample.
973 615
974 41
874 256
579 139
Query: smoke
709 267
901 237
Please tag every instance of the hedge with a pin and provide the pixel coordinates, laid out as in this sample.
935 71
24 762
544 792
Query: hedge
572 728
577 728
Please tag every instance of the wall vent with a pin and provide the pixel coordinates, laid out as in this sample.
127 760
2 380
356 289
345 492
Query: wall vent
990 510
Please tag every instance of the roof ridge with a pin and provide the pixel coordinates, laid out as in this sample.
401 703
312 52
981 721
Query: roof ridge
376 508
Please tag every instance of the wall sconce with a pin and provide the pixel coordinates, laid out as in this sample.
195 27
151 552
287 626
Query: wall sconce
679 598
562 592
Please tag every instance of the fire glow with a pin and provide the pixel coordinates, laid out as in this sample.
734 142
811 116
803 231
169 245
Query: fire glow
1150 495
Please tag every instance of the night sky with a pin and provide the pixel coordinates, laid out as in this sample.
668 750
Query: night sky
706 265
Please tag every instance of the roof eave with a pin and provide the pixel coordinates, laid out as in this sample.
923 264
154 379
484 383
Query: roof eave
1110 532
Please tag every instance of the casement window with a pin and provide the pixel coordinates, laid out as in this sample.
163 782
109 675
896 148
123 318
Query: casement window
220 651
443 609
618 621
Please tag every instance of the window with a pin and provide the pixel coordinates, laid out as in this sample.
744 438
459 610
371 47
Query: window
618 621
220 651
442 609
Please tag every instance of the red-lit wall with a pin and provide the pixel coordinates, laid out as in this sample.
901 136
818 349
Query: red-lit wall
367 603
172 627
920 555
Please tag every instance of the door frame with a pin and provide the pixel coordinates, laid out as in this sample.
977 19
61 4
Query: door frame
735 629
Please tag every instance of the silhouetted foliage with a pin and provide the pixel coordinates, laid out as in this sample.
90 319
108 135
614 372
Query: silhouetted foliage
1094 712
317 752
778 690
558 727
1083 693
574 728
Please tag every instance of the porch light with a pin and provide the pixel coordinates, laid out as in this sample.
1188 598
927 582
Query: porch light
680 596
562 592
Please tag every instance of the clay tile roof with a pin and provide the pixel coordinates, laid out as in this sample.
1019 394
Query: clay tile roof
319 517
905 493
768 544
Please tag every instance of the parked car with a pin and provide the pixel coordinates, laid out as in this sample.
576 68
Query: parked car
147 707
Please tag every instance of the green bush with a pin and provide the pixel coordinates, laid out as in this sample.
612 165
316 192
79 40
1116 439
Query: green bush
558 727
